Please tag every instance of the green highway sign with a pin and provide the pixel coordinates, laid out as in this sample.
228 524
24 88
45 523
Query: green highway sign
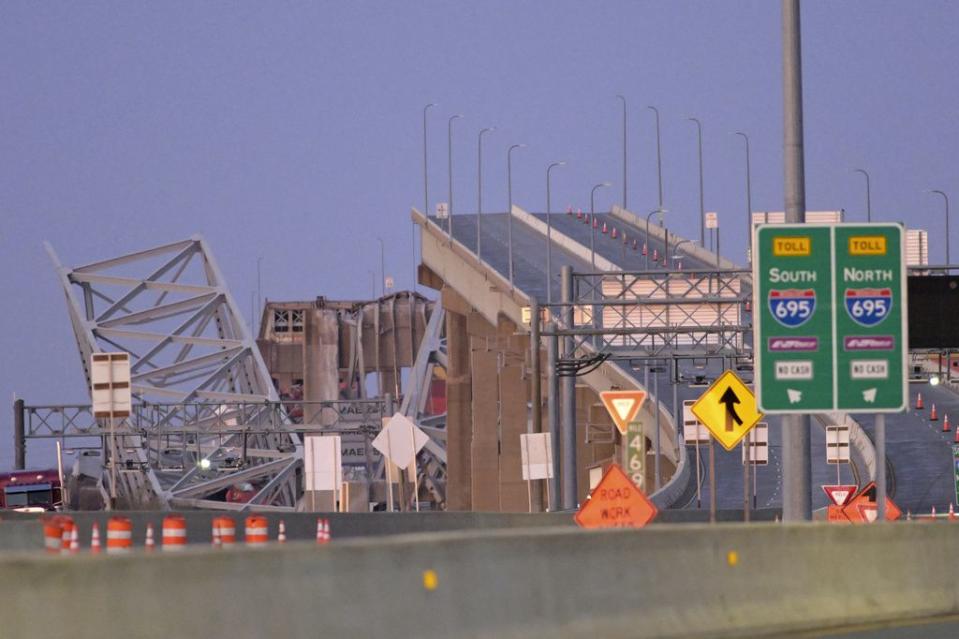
830 318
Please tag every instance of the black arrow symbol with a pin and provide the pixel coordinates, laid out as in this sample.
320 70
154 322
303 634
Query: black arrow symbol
730 399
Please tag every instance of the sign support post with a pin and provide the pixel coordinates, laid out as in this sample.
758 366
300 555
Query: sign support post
747 449
880 466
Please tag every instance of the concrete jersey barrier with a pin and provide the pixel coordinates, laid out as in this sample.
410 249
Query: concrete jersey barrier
695 581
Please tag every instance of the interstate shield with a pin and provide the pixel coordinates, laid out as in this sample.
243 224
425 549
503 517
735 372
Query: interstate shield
792 307
868 306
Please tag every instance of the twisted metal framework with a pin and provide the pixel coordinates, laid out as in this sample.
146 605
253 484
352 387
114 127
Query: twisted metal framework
170 309
431 353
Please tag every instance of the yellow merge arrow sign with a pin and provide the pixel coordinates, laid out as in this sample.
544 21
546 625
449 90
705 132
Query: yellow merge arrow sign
623 406
728 409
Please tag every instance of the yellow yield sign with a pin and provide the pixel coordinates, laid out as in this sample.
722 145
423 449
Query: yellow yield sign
728 409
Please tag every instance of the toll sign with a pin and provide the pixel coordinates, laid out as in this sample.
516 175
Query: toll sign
616 502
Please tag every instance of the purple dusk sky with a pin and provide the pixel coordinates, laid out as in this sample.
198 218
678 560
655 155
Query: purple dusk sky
292 131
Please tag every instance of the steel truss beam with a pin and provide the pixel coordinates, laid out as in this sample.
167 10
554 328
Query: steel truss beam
173 300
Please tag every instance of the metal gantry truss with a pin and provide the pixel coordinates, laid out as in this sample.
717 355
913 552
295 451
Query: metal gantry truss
170 309
658 313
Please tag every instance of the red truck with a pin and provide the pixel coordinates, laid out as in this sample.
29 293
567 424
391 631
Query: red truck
30 490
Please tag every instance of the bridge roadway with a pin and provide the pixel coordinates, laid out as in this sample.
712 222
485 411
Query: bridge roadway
728 464
918 453
529 270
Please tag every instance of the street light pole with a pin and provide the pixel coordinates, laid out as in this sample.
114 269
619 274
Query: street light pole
382 266
426 191
624 150
426 175
868 195
702 205
946 199
509 211
797 463
659 156
676 248
592 223
749 200
648 243
479 190
449 138
549 231
259 299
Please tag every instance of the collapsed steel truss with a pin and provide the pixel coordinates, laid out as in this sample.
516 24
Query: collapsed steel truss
169 307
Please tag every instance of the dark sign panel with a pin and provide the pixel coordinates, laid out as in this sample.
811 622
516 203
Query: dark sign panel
934 311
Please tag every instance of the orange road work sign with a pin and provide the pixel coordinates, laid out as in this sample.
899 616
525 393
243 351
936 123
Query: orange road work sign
616 502
863 509
835 515
623 406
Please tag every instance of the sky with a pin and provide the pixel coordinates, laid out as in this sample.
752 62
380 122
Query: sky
292 131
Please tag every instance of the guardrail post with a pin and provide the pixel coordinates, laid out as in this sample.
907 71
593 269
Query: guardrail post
19 435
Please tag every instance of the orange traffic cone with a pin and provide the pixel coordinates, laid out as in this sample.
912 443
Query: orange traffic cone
919 404
320 538
150 543
614 234
636 245
604 228
579 214
595 222
749 306
95 539
933 415
908 515
952 513
945 422
933 516
569 210
655 255
281 535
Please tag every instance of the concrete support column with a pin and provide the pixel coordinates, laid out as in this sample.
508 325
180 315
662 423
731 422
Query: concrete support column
459 414
320 349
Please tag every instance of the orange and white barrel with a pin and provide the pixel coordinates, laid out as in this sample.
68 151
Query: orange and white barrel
67 530
95 539
174 532
149 543
225 529
257 531
52 535
119 535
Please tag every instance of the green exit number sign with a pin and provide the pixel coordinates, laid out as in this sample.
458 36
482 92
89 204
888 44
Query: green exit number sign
830 318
